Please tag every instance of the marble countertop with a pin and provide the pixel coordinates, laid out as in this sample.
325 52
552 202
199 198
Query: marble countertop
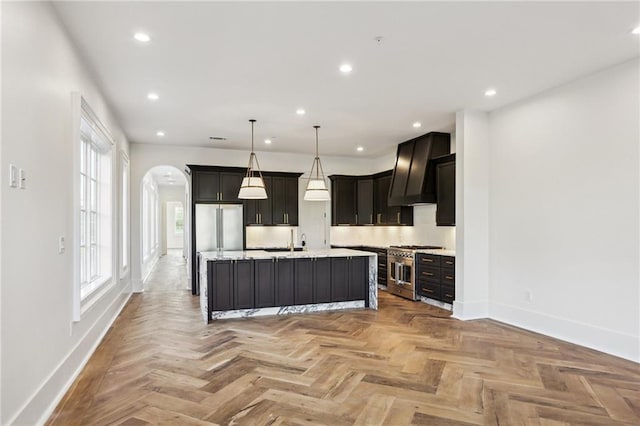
441 252
261 254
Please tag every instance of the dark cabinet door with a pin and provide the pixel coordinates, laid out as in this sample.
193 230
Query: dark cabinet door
322 280
264 283
365 202
258 212
339 279
284 282
243 291
446 193
230 186
358 277
303 293
381 186
291 200
206 186
222 285
284 200
343 201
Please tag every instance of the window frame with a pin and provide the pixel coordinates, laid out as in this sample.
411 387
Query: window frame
124 233
101 142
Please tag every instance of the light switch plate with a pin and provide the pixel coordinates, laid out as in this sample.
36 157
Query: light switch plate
23 179
13 176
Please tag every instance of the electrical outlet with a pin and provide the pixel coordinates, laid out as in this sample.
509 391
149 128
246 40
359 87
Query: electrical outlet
528 296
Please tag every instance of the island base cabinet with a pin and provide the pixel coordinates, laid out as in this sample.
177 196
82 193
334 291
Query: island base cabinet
220 283
284 282
322 280
243 296
340 279
264 283
303 293
358 278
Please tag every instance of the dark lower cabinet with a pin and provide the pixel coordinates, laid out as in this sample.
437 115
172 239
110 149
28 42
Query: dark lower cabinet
284 282
322 280
436 277
264 283
220 285
303 293
358 277
243 284
339 279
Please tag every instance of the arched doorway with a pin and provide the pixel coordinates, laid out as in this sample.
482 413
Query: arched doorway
163 218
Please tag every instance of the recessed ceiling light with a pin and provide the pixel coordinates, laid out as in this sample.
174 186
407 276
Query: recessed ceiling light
636 31
300 111
153 96
490 92
417 124
360 149
346 68
160 133
267 141
142 37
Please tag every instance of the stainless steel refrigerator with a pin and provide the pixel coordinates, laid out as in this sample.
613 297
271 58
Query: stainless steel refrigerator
218 227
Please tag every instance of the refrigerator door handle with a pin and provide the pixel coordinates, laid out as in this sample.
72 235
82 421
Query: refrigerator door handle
221 229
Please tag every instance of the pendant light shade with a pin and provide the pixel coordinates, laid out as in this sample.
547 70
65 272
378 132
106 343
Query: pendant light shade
252 187
317 186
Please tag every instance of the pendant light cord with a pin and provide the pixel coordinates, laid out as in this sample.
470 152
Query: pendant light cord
317 155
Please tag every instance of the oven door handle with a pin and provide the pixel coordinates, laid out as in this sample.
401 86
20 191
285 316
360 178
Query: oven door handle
400 273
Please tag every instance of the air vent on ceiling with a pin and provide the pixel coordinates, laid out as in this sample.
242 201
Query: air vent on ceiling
217 138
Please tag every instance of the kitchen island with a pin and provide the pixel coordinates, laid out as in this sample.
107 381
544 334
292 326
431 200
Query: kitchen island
238 284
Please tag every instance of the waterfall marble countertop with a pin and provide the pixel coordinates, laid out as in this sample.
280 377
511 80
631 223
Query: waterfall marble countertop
261 254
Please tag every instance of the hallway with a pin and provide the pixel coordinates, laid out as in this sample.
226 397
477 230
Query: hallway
408 363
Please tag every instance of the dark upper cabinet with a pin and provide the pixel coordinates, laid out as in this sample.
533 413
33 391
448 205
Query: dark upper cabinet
446 191
365 198
343 200
284 274
322 280
362 200
216 186
230 186
258 212
284 200
264 283
303 293
243 285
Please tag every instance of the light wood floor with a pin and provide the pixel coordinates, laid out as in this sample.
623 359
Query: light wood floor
407 363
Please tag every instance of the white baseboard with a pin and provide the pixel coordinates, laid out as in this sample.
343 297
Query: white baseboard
612 342
41 404
470 310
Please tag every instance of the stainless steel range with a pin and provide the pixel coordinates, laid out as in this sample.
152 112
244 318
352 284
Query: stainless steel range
401 274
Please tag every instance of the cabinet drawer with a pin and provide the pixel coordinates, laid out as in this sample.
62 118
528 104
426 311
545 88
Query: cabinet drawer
430 290
448 293
448 276
429 260
427 274
448 262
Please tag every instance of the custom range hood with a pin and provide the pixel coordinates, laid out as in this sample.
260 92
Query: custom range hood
414 175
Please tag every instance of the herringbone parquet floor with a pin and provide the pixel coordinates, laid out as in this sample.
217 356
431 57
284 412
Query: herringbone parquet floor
407 363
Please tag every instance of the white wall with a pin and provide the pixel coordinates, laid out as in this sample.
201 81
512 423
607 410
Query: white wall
564 212
42 348
472 215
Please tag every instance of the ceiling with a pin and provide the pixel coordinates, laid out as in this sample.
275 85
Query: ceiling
214 65
167 175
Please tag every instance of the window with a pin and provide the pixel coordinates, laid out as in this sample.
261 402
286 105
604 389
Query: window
149 218
94 235
124 214
178 215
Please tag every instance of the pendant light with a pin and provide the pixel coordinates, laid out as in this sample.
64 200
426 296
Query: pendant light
317 187
252 187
